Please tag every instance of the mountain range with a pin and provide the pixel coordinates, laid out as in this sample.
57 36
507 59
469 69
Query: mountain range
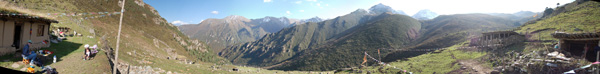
282 45
340 42
219 33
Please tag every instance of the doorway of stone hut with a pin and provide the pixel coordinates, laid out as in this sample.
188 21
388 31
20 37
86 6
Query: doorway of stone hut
577 48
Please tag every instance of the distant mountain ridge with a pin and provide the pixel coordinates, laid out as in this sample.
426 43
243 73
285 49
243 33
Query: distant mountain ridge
521 17
380 8
314 19
219 33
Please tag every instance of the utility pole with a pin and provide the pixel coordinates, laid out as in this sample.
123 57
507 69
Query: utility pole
118 38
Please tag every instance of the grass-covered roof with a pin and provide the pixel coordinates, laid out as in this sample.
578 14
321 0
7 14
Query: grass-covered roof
6 13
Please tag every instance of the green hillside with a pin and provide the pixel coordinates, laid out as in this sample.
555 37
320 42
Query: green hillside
383 31
584 16
444 62
452 29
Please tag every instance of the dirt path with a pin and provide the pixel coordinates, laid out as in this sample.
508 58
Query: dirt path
478 66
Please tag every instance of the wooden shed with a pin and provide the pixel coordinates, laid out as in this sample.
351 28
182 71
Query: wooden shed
17 28
574 43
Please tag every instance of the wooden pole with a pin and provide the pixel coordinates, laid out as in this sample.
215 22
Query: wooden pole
118 38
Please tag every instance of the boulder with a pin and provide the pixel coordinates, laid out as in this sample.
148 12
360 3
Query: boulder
235 69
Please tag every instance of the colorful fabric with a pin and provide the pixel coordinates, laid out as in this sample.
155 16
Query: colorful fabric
364 59
30 70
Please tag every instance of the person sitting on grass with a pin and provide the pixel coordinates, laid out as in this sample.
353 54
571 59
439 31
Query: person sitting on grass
31 56
26 52
93 51
26 48
86 52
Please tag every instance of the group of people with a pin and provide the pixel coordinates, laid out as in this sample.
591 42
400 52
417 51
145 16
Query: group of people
30 56
89 51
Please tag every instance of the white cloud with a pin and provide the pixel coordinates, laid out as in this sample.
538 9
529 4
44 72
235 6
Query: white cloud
301 10
288 13
215 12
298 2
179 22
318 4
312 0
326 4
267 1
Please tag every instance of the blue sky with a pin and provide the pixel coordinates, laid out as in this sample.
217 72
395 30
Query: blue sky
194 11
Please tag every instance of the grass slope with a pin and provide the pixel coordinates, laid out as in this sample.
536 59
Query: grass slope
443 62
585 16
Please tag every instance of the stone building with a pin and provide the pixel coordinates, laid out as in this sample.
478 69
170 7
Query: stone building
17 28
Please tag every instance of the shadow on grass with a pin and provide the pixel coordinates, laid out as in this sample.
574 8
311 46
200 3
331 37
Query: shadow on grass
61 49
12 57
